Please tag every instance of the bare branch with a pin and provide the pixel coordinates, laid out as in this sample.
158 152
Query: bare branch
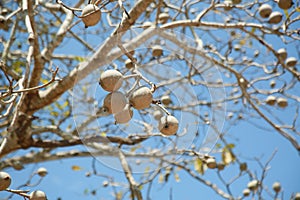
40 86
135 192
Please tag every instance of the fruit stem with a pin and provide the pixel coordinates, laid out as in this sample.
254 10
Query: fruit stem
153 86
19 192
162 108
132 88
132 76
67 7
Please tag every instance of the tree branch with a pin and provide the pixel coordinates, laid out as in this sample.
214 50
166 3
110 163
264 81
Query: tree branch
135 192
98 59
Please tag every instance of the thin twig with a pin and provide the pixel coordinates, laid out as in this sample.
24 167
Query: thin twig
3 144
67 7
19 192
40 86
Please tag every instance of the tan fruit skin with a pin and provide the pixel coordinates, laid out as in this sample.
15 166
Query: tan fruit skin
111 80
285 4
141 98
265 11
91 15
168 125
114 102
275 18
5 180
124 116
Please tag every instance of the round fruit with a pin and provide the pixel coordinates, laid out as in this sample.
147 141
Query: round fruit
276 187
111 80
132 52
256 53
42 171
297 196
272 83
246 192
141 98
243 167
211 163
265 10
157 114
5 180
230 115
168 125
114 102
166 100
105 183
138 161
237 47
285 4
271 100
282 102
124 116
275 17
228 5
129 64
17 165
90 15
291 62
282 54
163 17
157 51
37 195
220 166
253 185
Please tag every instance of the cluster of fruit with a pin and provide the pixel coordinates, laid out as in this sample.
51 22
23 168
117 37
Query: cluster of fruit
274 17
5 181
120 105
281 102
289 61
253 186
91 15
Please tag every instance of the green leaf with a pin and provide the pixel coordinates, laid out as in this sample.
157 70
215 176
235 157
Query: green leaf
198 165
76 168
218 146
86 191
44 81
119 195
103 134
177 178
243 41
286 12
227 156
147 169
17 66
161 178
54 113
67 113
230 146
133 149
65 104
79 58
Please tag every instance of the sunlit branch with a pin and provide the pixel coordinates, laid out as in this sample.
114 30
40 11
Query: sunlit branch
135 192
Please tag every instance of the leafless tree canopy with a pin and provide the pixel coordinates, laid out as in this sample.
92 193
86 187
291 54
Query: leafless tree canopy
212 64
